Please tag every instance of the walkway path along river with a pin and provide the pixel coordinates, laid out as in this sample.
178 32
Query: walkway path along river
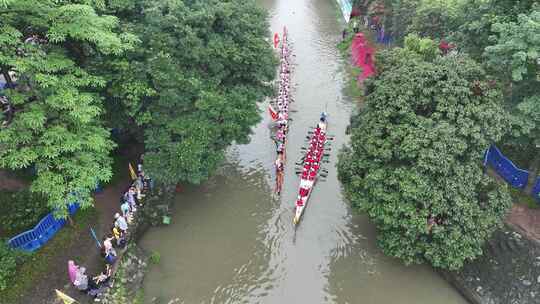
231 242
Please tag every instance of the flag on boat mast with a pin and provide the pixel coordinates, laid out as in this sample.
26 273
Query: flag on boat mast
273 113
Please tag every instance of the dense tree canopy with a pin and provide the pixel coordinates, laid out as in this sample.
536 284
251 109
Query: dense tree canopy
202 67
415 165
515 58
501 35
57 124
183 76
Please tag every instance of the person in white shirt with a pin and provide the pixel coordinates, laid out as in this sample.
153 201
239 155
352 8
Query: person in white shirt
120 222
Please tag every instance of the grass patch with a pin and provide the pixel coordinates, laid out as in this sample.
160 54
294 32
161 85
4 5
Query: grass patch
39 264
353 89
522 198
139 297
345 45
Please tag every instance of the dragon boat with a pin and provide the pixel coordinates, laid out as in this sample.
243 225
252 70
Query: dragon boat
311 166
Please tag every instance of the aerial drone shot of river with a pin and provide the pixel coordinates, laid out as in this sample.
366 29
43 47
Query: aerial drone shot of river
270 151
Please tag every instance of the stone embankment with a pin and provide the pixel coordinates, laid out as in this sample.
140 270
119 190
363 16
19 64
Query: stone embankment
133 262
129 276
507 273
127 285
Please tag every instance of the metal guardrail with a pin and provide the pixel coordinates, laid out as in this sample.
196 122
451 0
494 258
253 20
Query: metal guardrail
33 239
513 175
505 168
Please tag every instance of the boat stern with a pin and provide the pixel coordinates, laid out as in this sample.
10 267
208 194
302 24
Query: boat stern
297 214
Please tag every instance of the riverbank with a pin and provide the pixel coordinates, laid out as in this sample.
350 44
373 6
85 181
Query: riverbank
507 272
46 269
130 271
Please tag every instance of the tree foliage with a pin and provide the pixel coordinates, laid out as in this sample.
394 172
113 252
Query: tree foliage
57 124
201 69
476 20
184 76
467 23
415 163
20 211
514 57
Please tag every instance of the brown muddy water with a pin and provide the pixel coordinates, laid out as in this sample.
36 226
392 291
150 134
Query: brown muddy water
230 241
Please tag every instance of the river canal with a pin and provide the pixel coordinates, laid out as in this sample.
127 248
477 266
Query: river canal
230 241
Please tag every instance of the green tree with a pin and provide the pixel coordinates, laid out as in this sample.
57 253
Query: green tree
57 126
514 57
399 15
476 19
436 18
415 162
199 73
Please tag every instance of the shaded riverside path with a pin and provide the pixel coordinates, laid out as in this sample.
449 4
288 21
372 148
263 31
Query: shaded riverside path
231 242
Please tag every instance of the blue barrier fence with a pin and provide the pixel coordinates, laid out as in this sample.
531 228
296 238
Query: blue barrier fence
536 190
513 175
33 239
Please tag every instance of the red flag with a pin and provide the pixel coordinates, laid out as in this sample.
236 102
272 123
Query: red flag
272 112
276 40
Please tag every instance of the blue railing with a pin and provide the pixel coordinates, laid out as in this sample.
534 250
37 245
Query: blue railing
513 175
536 190
516 177
33 239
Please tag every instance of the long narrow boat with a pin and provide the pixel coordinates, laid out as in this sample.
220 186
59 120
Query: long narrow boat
280 113
311 168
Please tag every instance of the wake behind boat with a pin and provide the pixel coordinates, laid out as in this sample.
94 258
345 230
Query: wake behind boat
311 166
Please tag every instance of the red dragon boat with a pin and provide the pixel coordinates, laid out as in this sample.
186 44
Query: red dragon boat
311 167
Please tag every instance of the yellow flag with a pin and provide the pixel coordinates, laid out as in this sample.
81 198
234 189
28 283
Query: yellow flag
65 298
132 172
